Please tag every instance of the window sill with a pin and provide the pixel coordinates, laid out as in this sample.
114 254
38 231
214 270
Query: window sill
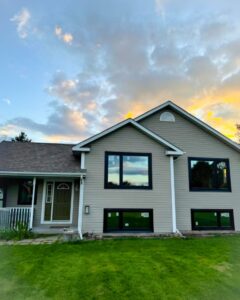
128 188
211 191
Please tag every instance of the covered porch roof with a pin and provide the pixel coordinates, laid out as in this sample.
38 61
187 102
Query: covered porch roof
38 160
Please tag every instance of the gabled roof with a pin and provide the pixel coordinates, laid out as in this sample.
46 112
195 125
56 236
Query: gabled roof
193 119
173 149
37 158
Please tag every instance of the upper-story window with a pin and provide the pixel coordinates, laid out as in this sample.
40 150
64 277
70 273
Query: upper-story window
128 170
209 174
167 116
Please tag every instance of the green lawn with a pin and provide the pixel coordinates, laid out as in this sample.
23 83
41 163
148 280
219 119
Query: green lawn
196 268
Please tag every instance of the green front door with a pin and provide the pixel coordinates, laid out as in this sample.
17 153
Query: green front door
58 201
62 201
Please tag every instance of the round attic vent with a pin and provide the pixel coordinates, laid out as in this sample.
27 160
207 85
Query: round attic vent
167 117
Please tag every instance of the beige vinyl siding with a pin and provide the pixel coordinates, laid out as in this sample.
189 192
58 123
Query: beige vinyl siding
127 139
197 143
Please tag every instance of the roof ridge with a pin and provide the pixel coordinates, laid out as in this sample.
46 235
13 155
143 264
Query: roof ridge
198 122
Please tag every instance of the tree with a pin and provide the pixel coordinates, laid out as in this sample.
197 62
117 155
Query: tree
22 137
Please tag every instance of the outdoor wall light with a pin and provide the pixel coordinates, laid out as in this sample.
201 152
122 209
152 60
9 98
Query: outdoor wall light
87 209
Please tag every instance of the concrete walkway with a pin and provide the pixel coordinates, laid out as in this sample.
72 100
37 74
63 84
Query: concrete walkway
37 241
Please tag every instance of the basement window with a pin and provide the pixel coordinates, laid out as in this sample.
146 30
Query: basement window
212 219
128 220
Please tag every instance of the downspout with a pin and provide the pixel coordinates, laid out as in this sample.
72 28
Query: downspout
173 196
81 194
32 206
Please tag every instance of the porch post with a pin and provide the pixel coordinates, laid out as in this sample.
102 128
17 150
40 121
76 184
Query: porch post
32 207
173 196
81 193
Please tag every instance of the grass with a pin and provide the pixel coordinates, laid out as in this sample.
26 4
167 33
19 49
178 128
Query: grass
196 268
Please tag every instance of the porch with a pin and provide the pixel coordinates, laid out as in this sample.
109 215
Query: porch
43 203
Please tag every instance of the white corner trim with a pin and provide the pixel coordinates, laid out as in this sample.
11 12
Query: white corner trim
136 125
82 166
173 196
80 207
81 198
192 118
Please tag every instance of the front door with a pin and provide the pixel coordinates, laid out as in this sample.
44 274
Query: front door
58 202
62 201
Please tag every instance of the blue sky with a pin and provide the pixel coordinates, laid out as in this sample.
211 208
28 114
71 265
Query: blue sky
72 68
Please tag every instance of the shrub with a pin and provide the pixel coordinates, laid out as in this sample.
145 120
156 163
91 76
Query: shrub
19 233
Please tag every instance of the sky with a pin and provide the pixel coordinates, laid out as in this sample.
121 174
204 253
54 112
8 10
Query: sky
69 69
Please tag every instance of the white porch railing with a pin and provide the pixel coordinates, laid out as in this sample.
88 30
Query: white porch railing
10 217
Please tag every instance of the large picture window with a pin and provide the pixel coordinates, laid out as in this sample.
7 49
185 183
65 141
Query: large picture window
209 174
128 170
25 192
209 219
127 220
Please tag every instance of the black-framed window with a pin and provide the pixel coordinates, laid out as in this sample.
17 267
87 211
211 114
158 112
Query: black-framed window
212 219
124 170
25 189
128 220
209 174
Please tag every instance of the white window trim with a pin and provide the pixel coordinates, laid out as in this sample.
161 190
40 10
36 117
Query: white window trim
43 202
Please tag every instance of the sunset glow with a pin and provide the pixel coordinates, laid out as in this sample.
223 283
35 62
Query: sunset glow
70 70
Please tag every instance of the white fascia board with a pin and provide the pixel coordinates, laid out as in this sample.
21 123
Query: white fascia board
40 174
156 137
153 110
192 118
174 153
99 135
82 149
121 124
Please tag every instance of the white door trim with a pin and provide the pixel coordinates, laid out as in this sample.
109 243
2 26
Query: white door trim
44 199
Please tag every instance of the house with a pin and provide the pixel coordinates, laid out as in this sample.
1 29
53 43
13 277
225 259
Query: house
162 172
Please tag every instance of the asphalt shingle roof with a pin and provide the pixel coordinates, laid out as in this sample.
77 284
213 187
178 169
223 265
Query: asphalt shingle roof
38 157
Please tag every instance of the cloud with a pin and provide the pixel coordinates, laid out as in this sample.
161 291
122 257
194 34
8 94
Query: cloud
160 7
7 101
22 21
65 37
63 122
130 61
